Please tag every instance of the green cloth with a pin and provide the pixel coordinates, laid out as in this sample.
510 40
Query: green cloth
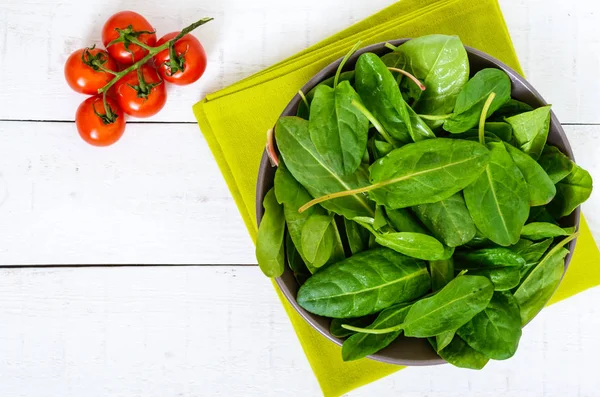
234 122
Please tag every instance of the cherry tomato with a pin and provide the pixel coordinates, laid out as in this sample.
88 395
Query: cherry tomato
84 70
95 126
140 29
190 60
141 98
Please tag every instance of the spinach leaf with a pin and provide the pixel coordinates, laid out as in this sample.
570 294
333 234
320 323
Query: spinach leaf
426 172
530 130
452 307
303 108
503 278
540 230
379 221
337 129
500 129
335 328
379 91
441 63
499 199
461 355
379 148
511 108
541 214
540 284
444 339
541 188
571 192
442 272
473 96
403 220
555 163
364 284
318 239
295 261
530 251
449 220
487 258
358 237
269 243
495 332
293 195
306 165
361 345
415 245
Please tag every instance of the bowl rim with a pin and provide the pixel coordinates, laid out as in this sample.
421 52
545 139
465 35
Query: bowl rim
325 73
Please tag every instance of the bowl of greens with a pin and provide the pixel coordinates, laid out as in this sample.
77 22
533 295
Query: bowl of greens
418 203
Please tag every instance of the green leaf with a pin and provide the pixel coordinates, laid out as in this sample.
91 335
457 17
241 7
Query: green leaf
571 192
499 199
306 165
379 221
358 237
403 220
541 214
541 188
318 239
442 272
361 345
495 332
540 230
379 91
473 96
295 261
450 308
335 328
449 220
426 172
555 163
379 148
293 195
539 285
338 130
270 252
503 278
461 355
415 245
303 110
530 130
487 258
511 108
530 251
441 63
500 129
364 284
444 339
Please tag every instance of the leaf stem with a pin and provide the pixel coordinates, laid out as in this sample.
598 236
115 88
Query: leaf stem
373 331
337 195
304 98
343 63
151 52
361 108
435 117
483 117
391 46
274 159
410 76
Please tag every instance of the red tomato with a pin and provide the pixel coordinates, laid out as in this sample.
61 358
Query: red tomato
94 126
84 70
190 62
140 30
141 99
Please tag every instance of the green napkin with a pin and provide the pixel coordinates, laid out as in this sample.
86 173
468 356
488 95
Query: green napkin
234 122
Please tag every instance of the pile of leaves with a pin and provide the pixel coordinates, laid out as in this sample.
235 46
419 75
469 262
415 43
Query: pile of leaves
411 198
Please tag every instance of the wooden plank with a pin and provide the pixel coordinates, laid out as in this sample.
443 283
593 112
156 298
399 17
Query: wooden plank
554 39
155 332
156 197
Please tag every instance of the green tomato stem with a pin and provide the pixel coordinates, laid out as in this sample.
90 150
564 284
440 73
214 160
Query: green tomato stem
151 52
483 117
139 43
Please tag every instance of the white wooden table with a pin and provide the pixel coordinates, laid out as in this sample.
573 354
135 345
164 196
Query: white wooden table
156 198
